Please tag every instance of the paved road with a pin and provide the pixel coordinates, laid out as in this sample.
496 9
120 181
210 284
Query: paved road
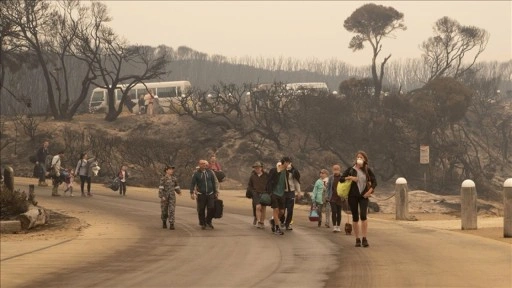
138 253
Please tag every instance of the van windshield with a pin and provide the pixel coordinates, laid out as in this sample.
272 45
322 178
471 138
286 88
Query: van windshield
97 96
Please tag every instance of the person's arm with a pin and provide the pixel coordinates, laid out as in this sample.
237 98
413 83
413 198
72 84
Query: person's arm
161 188
373 180
193 186
215 184
346 175
77 169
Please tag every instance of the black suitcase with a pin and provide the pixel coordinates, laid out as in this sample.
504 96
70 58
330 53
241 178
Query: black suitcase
219 207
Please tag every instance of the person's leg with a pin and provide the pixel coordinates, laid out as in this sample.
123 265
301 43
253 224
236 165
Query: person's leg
42 173
333 213
338 215
319 209
164 208
290 204
201 206
88 179
263 215
353 203
327 206
172 211
258 213
210 210
82 182
254 214
363 205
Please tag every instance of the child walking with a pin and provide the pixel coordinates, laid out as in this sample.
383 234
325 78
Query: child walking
123 174
70 178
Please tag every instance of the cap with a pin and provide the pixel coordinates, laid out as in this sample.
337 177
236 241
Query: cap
257 164
169 167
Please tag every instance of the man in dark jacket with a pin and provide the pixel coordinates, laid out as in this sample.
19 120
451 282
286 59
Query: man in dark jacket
257 186
41 155
204 189
276 185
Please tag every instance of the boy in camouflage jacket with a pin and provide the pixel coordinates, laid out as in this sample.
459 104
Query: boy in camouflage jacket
167 192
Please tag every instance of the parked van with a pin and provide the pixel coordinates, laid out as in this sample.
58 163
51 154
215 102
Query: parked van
168 94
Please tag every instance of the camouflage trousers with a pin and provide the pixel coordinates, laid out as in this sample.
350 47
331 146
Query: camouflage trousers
168 208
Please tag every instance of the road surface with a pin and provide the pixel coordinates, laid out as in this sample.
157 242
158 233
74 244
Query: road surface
132 250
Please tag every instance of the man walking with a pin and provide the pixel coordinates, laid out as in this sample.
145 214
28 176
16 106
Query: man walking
257 184
292 190
42 153
204 189
276 185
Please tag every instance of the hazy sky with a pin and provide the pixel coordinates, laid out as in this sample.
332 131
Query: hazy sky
299 29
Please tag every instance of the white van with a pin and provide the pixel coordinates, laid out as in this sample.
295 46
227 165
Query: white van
168 95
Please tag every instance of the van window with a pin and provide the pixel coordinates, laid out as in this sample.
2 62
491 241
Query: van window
119 95
141 92
166 92
97 96
132 94
179 92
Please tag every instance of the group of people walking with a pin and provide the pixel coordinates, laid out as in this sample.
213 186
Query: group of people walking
282 185
204 189
85 169
278 188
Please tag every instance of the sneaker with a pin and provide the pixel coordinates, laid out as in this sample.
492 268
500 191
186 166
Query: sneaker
327 225
254 222
358 242
209 225
260 225
282 226
71 195
171 226
56 195
164 225
335 229
273 225
278 231
365 242
289 228
338 228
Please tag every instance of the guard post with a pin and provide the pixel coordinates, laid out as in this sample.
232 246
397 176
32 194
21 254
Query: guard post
507 208
401 199
468 213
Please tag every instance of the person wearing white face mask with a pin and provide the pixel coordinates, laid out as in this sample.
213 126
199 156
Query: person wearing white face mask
362 187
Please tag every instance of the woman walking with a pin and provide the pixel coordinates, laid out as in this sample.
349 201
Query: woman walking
83 171
334 199
318 194
362 187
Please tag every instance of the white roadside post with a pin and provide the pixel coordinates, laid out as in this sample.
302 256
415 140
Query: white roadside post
507 217
401 199
468 213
